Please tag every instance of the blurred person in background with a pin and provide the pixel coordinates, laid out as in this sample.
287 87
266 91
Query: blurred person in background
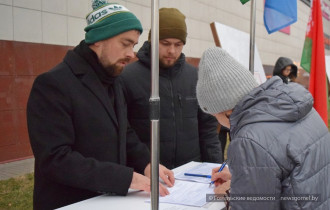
286 69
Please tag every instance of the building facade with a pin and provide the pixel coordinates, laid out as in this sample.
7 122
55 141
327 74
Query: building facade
35 35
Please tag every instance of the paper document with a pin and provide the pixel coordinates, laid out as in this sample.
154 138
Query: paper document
203 169
187 193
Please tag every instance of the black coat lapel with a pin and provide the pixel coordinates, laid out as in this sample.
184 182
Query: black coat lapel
83 70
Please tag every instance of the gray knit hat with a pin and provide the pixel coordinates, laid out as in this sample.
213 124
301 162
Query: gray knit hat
222 81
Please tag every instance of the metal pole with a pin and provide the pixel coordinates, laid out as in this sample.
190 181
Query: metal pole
252 34
154 105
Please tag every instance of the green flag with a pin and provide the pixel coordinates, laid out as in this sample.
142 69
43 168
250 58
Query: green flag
306 57
244 1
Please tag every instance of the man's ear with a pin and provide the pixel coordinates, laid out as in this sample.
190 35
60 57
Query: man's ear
97 44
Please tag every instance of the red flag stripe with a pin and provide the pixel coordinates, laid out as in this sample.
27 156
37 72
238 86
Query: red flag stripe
317 79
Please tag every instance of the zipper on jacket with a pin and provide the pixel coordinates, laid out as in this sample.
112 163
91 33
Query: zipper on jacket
174 121
181 109
180 100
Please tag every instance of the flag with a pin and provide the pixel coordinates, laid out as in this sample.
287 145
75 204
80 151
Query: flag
244 1
279 14
313 60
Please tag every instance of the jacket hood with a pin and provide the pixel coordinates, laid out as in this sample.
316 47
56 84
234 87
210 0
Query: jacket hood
273 101
283 62
144 56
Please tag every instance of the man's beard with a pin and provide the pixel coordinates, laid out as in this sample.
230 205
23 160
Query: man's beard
112 69
164 65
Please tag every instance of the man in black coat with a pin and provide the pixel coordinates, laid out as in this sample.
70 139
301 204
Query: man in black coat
77 121
186 133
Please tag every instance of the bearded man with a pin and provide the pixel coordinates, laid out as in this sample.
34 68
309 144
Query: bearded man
186 132
77 120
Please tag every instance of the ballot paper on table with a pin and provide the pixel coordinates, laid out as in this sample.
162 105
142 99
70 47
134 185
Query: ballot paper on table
204 168
187 193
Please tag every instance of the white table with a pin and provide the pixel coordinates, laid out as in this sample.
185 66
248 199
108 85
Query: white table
136 200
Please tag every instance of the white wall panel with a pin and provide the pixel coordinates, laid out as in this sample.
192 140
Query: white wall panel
79 8
76 31
6 25
55 6
28 4
6 2
27 25
54 29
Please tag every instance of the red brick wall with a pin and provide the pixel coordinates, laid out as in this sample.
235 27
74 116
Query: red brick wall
20 63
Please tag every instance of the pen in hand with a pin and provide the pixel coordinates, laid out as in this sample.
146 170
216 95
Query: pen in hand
220 169
197 175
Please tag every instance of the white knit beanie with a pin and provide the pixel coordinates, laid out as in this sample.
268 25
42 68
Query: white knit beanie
222 81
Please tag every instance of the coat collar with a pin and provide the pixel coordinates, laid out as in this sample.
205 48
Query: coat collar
88 77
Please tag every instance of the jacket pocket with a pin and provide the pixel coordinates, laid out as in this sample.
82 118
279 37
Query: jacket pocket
190 107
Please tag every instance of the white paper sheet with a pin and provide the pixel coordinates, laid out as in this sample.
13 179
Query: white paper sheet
203 169
187 193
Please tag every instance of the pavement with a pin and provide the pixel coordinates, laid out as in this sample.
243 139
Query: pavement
16 168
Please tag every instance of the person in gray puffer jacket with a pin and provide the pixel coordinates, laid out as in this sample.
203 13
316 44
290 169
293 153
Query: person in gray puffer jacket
286 69
279 151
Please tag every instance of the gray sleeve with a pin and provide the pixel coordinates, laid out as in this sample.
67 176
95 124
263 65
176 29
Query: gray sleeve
256 177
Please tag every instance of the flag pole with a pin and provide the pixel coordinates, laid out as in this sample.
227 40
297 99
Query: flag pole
154 103
252 35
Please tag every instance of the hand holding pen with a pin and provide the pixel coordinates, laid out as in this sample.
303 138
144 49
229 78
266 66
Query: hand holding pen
219 178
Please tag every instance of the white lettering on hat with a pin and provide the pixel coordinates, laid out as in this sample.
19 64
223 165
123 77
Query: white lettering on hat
102 12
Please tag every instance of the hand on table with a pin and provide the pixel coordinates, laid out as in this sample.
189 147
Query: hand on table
140 182
164 173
